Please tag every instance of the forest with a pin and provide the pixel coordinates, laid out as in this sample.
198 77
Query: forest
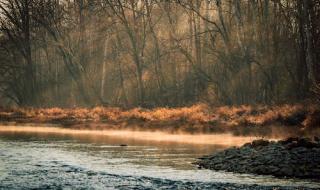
153 53
160 94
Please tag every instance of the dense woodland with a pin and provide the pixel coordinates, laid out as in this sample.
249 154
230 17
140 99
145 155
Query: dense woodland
158 53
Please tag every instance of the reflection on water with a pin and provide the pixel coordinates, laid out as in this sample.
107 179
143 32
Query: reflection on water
35 159
142 152
220 139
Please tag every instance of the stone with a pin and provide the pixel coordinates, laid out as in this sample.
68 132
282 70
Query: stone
260 142
292 157
289 140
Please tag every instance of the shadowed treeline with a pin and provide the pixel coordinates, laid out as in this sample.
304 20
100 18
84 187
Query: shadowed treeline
158 53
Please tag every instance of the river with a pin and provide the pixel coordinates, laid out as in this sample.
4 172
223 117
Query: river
53 158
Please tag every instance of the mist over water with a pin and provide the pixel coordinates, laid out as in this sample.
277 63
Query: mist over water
126 135
38 158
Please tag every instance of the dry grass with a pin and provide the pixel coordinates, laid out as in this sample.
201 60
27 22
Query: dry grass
195 119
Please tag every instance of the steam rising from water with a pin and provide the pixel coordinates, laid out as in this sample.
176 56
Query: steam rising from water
32 156
209 139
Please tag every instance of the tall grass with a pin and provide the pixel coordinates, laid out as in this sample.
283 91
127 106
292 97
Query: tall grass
196 118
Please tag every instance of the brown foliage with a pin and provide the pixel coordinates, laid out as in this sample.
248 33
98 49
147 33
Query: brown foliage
197 118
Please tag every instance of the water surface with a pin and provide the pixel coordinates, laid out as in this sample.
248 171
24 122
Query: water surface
56 159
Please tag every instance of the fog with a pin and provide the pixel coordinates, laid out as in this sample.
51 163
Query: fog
198 139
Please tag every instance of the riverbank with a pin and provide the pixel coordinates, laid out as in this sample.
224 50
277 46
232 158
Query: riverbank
293 157
269 121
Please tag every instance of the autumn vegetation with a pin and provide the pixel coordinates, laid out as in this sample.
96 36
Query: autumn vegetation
271 121
119 64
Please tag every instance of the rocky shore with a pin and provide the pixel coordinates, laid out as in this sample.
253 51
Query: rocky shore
293 157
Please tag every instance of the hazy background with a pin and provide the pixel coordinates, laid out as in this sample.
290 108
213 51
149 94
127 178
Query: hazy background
158 53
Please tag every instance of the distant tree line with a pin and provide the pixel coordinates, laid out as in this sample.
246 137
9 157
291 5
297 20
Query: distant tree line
158 53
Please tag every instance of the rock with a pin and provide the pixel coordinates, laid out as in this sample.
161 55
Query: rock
258 143
271 169
289 140
247 145
299 150
292 157
287 171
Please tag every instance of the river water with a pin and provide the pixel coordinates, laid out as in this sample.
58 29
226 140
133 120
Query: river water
42 159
